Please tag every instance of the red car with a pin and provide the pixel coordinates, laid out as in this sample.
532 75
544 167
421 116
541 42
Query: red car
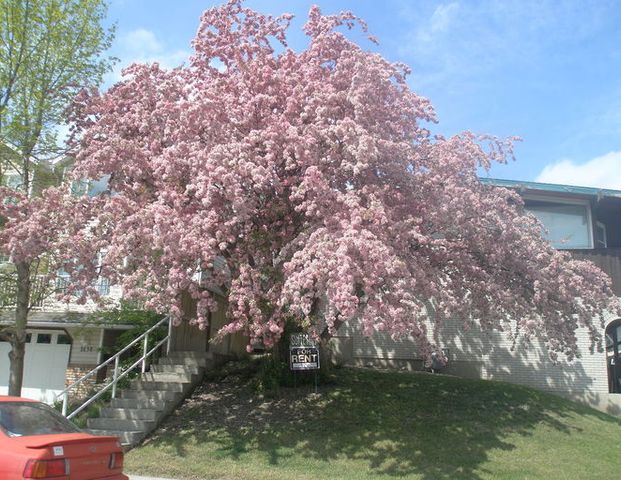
38 442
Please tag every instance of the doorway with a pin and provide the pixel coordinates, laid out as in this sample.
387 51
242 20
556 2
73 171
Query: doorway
613 359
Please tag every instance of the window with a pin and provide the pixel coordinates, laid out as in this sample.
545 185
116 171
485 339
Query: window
29 418
103 286
92 188
13 181
568 225
79 187
62 279
96 187
44 338
63 339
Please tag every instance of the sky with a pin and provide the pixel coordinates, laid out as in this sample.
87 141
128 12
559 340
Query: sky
548 72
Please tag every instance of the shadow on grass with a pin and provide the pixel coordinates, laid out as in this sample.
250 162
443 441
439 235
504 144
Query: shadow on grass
389 423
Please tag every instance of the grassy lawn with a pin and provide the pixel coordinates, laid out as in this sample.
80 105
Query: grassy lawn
381 425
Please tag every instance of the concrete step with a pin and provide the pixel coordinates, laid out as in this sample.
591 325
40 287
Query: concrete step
189 369
152 395
134 403
162 386
130 413
139 409
173 377
121 424
189 354
187 361
126 437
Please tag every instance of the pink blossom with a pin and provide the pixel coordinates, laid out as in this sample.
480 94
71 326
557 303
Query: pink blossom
305 184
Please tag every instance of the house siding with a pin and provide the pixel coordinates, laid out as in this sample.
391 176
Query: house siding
86 346
53 305
230 345
190 337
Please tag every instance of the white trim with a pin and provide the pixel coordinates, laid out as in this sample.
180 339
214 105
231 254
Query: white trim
568 201
603 227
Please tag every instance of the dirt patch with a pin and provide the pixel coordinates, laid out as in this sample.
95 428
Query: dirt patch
233 403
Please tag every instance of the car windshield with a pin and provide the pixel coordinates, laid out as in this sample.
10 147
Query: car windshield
29 418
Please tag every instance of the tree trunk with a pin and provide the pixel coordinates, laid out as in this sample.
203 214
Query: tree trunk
18 340
280 351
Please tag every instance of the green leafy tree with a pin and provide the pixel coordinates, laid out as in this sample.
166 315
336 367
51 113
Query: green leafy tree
49 51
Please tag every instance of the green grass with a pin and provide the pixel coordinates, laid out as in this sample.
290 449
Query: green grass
382 425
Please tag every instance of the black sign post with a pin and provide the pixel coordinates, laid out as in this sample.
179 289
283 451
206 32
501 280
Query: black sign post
303 354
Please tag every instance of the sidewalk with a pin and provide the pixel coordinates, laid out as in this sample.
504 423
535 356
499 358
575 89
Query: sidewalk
136 477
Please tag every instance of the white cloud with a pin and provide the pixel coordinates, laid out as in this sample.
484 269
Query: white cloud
443 15
454 42
143 46
599 172
141 41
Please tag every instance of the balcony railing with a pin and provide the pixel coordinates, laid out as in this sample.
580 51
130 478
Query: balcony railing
43 290
608 259
102 286
39 290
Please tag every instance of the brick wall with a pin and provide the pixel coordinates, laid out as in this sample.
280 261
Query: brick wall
74 373
493 356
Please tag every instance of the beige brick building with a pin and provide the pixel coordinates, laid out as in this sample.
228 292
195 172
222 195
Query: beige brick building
586 221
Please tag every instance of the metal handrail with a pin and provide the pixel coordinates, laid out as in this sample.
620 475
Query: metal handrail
116 376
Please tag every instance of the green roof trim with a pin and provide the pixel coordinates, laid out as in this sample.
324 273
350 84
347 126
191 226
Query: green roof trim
551 187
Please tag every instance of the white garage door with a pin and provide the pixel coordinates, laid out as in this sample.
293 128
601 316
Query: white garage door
45 365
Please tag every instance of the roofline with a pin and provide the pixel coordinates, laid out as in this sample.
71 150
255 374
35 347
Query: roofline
52 324
552 187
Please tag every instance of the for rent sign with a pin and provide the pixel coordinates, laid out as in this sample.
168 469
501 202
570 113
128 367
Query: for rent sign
303 353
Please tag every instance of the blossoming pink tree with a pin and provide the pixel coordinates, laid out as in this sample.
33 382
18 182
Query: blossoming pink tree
312 176
38 232
49 51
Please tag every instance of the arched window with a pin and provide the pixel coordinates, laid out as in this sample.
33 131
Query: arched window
613 355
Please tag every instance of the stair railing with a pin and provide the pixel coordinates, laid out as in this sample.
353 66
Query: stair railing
118 372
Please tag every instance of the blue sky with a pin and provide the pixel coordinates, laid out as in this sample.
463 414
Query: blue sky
547 71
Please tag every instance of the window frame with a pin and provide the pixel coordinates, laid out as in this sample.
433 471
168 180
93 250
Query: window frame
601 225
567 201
